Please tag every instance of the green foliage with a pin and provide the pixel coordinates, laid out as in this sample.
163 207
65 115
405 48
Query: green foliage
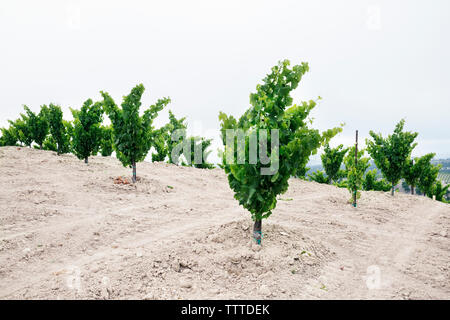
9 137
59 129
418 191
271 108
133 134
301 173
87 132
371 182
411 172
319 176
406 186
391 154
341 184
37 125
163 142
227 122
201 144
355 170
106 142
439 190
174 124
413 169
332 160
68 136
342 174
428 174
220 155
50 144
23 130
160 143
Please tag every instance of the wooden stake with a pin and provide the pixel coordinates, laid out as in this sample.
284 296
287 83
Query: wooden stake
412 187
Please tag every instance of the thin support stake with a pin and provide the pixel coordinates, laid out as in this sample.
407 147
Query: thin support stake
356 165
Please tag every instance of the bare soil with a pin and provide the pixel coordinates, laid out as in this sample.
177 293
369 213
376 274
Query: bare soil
74 231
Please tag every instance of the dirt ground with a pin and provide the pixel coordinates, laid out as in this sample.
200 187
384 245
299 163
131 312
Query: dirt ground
75 231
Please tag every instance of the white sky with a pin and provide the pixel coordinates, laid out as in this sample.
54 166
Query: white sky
373 62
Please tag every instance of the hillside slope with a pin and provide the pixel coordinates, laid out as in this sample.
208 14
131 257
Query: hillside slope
67 230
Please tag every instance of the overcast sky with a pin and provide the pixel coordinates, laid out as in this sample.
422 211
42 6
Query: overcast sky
373 62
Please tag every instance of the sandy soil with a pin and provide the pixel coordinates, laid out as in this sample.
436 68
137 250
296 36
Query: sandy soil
69 231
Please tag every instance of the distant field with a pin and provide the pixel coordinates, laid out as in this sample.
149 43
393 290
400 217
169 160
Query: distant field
444 177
